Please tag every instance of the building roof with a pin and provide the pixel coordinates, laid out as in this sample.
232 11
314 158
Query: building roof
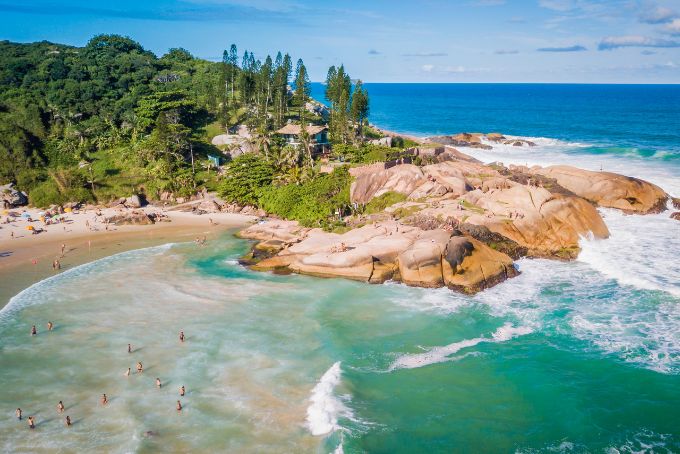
295 129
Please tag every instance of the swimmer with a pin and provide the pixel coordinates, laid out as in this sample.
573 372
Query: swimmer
18 413
179 406
140 368
60 407
31 422
127 372
68 421
50 325
105 400
158 383
181 336
34 331
181 390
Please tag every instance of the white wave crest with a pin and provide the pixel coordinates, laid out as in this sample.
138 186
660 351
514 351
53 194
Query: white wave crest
325 407
442 354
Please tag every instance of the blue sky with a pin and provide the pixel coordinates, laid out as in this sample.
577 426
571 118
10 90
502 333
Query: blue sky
616 41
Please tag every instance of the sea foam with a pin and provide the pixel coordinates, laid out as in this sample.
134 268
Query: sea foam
441 354
325 407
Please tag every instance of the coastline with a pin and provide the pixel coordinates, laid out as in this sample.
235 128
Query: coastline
27 259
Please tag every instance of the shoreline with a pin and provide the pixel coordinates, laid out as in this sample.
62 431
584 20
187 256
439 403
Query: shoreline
27 259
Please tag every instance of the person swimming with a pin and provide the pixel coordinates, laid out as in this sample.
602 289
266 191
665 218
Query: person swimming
34 331
181 336
158 383
60 407
50 325
140 368
127 372
31 422
179 406
105 400
181 390
68 421
18 413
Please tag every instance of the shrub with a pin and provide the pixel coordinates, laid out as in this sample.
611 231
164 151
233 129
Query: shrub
244 177
378 204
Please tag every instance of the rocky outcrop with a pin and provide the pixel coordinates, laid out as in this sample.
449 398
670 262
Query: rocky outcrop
131 218
519 142
378 252
461 140
11 197
676 216
608 189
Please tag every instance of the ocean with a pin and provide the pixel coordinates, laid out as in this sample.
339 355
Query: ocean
580 356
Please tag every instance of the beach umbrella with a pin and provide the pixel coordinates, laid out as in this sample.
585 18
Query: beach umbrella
29 227
25 215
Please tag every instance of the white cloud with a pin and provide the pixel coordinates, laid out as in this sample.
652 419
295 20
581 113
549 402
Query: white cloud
658 15
427 68
614 42
672 27
557 5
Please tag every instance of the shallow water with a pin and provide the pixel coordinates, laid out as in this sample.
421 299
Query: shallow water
562 357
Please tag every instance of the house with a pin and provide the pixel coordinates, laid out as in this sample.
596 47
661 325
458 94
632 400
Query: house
318 137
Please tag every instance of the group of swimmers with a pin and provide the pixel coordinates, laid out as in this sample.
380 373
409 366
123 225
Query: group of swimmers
104 399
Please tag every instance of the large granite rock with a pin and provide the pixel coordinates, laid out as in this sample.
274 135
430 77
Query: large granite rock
609 189
378 252
12 197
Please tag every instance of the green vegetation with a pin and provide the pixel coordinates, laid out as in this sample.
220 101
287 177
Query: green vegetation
378 204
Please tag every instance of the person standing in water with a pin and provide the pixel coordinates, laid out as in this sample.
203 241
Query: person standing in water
18 413
129 348
127 373
181 336
34 331
31 422
158 383
181 390
60 407
179 406
50 325
63 248
68 421
140 368
105 400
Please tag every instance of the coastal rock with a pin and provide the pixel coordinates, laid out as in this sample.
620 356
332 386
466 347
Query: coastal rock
461 140
519 142
11 197
134 201
131 218
389 250
495 137
676 216
403 179
608 189
275 229
676 203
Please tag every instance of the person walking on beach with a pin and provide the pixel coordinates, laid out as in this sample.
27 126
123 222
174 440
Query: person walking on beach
140 368
158 383
31 422
179 406
60 407
181 391
34 331
63 248
105 400
18 413
50 325
181 336
68 421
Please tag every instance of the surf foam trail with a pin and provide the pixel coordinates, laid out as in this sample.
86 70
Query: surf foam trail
325 407
442 354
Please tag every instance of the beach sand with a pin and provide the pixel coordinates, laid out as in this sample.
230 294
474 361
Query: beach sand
26 258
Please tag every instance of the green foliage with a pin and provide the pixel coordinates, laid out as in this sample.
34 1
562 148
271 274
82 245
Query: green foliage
378 204
312 203
364 154
244 178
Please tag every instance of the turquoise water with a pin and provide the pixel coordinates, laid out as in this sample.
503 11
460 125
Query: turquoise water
562 358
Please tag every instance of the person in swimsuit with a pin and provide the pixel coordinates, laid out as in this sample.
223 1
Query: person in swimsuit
60 407
179 406
68 421
129 348
158 383
181 390
34 331
18 413
181 336
127 373
31 422
50 325
140 368
105 400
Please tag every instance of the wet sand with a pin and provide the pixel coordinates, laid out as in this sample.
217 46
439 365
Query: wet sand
26 258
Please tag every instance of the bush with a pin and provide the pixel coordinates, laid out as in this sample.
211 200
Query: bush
312 203
378 204
244 177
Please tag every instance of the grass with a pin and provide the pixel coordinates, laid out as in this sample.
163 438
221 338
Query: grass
378 204
472 207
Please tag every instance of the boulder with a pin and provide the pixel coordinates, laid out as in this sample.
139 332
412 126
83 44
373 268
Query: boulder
134 201
131 218
608 189
495 137
12 197
676 203
403 179
470 266
676 216
383 141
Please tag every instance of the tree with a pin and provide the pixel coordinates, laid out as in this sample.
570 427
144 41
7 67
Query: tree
359 107
244 177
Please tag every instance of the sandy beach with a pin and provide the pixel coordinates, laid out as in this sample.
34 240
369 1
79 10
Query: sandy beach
26 258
